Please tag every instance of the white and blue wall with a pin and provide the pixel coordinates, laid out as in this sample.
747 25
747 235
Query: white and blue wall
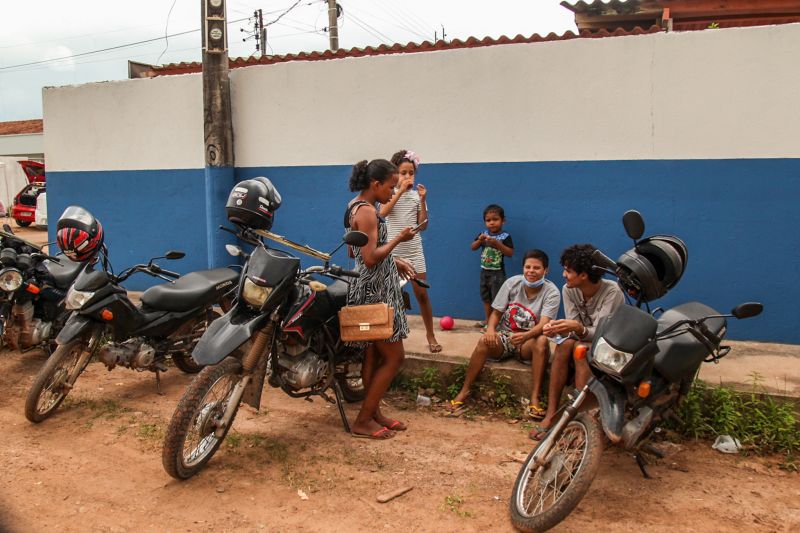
695 130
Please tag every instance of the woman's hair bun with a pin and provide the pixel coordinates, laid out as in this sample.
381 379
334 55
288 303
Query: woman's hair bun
365 173
358 177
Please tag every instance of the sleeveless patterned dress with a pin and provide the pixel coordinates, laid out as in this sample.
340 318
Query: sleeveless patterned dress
379 284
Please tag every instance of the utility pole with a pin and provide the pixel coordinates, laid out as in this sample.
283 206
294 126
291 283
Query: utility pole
217 124
333 28
263 32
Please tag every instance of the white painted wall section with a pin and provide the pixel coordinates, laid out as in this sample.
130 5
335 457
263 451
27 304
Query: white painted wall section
23 145
718 94
141 124
699 95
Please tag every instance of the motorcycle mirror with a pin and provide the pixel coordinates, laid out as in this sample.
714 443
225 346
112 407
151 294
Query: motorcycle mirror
233 250
174 254
355 238
634 224
747 310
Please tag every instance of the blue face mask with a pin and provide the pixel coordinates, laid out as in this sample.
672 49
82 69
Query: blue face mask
532 284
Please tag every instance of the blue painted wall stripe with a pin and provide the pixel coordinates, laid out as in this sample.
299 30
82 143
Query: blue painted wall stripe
737 217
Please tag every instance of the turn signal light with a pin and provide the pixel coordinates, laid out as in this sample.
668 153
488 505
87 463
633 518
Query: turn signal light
105 314
579 352
643 390
33 289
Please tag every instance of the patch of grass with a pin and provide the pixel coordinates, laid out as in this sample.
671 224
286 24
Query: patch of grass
150 432
102 408
456 379
453 504
762 423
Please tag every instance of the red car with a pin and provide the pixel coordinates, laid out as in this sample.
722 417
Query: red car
24 209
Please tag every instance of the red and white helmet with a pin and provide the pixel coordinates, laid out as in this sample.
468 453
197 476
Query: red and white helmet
80 234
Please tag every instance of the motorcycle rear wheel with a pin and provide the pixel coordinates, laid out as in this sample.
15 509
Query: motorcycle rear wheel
351 384
51 384
183 359
544 496
190 441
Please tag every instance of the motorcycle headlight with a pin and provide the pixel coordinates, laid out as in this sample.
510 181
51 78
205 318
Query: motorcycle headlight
608 357
10 279
255 294
77 299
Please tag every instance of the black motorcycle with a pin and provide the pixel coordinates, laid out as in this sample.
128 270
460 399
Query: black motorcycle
32 289
642 368
104 322
291 321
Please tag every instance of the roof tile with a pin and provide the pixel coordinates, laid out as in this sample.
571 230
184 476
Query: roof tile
397 48
21 127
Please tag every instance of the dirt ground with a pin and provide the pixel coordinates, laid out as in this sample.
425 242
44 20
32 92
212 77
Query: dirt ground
96 466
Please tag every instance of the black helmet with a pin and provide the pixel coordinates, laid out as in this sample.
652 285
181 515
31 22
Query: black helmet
79 235
252 203
657 262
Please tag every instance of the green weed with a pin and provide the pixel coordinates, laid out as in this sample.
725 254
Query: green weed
762 423
453 504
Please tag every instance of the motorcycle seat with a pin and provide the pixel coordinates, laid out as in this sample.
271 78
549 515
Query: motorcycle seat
196 289
64 272
338 293
679 357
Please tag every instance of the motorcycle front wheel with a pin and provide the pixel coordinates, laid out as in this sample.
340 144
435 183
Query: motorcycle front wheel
190 440
543 496
53 383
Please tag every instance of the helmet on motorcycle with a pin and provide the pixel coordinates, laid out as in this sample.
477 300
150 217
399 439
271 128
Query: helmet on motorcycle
252 203
657 263
79 234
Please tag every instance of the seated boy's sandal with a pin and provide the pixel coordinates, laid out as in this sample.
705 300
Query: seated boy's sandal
371 322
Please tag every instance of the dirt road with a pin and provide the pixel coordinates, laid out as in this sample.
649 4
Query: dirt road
96 466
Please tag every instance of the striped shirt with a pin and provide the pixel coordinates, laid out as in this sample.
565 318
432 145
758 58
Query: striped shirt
404 214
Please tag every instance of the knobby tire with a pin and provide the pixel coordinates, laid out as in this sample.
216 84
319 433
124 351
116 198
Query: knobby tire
559 469
188 414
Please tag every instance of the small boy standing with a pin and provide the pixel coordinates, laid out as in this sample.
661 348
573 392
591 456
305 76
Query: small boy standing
495 245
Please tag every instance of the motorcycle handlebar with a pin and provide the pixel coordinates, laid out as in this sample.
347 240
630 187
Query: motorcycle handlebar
339 271
158 270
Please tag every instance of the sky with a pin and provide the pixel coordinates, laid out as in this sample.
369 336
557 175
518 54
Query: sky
47 32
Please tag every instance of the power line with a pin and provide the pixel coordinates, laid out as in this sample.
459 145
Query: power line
395 23
82 54
166 28
361 22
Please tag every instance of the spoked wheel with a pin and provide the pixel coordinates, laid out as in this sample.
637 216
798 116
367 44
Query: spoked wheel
195 431
351 383
53 383
543 496
183 358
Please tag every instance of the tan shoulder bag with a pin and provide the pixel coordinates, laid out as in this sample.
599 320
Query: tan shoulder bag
371 322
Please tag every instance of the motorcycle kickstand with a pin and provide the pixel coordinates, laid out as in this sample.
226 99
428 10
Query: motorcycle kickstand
158 383
642 464
337 390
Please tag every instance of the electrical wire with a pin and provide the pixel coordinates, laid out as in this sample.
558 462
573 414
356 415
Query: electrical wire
403 20
361 23
166 28
118 47
392 22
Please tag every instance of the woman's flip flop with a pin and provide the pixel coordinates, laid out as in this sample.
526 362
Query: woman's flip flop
396 425
382 434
